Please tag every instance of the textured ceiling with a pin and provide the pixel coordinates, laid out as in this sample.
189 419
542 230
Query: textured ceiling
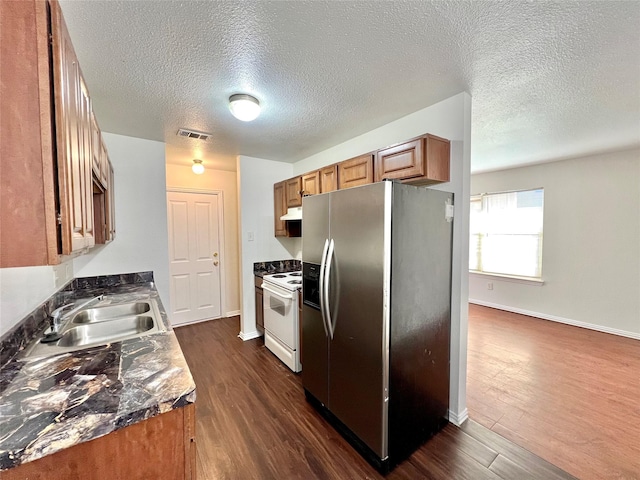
549 80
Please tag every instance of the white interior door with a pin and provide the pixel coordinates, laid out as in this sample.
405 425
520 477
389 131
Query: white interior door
194 256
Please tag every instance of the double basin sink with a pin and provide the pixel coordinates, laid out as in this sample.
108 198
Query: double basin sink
100 325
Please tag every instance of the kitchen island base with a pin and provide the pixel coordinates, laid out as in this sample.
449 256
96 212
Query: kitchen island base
161 447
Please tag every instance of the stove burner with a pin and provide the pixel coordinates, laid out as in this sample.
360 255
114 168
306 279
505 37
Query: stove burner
278 276
295 282
296 274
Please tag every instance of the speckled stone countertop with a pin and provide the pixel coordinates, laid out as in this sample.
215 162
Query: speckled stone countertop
278 266
53 403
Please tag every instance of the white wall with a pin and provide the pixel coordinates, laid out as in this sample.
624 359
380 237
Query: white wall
450 119
141 242
181 177
591 246
255 183
25 288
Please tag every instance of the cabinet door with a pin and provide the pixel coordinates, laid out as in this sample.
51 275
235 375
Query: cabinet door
96 150
111 206
86 161
279 209
329 179
311 183
420 161
259 309
356 171
293 187
400 161
66 80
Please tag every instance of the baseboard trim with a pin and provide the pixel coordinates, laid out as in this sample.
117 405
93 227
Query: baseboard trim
249 335
554 318
233 313
458 419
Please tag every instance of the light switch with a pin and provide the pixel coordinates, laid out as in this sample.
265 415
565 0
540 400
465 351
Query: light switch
250 236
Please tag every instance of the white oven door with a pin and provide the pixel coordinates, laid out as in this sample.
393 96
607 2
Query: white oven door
281 314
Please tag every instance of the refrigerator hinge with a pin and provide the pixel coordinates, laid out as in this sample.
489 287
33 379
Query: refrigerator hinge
448 210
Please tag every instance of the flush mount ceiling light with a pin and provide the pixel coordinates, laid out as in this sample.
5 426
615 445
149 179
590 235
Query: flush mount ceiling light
197 166
244 107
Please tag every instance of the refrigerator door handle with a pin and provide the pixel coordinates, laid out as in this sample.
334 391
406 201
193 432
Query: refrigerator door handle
322 267
327 277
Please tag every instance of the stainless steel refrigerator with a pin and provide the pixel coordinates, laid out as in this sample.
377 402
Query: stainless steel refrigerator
376 314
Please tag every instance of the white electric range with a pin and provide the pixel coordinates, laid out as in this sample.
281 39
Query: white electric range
281 331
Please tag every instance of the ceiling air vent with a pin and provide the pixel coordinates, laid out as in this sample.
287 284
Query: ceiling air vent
184 132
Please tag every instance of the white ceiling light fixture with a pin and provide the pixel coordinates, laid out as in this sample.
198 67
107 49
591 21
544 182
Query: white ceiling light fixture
197 167
244 107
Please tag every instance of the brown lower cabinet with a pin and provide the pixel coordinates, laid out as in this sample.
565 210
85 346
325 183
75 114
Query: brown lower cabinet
159 447
300 323
259 304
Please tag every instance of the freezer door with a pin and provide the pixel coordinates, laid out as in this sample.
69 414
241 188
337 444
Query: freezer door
315 374
315 227
358 351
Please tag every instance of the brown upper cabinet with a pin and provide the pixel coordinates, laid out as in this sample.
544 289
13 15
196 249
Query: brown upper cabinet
329 179
420 161
47 209
293 189
311 183
356 171
279 209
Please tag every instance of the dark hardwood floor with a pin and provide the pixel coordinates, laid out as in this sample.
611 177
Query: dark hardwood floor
253 422
567 394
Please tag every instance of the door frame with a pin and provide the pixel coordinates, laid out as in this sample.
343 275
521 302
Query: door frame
221 244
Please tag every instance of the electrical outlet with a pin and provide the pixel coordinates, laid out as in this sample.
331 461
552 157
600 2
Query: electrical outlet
251 236
489 286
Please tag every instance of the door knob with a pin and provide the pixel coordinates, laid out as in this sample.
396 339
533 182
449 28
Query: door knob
215 263
215 255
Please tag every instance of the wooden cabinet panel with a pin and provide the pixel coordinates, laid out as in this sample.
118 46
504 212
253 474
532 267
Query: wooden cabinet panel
356 171
111 206
46 210
311 183
419 161
28 226
300 323
400 161
279 209
165 443
259 304
329 179
86 160
293 187
73 134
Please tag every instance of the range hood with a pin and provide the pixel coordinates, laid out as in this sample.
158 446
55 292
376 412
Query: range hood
294 213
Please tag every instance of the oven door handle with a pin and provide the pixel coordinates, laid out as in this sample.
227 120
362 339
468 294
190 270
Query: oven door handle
322 268
277 294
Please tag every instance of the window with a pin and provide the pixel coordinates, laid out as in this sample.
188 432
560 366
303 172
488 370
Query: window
506 233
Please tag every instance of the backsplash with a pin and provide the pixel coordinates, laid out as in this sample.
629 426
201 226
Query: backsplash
26 329
276 266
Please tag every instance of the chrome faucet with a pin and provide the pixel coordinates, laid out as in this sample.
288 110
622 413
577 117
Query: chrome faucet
58 315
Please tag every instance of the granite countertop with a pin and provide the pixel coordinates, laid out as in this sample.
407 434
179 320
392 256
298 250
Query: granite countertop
261 269
49 404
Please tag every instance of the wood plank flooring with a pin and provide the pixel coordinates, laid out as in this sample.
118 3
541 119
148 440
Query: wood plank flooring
567 394
253 422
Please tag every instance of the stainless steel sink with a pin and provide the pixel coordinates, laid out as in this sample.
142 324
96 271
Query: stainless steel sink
101 314
100 325
105 332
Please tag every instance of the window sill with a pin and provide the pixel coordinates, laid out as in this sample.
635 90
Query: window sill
536 282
